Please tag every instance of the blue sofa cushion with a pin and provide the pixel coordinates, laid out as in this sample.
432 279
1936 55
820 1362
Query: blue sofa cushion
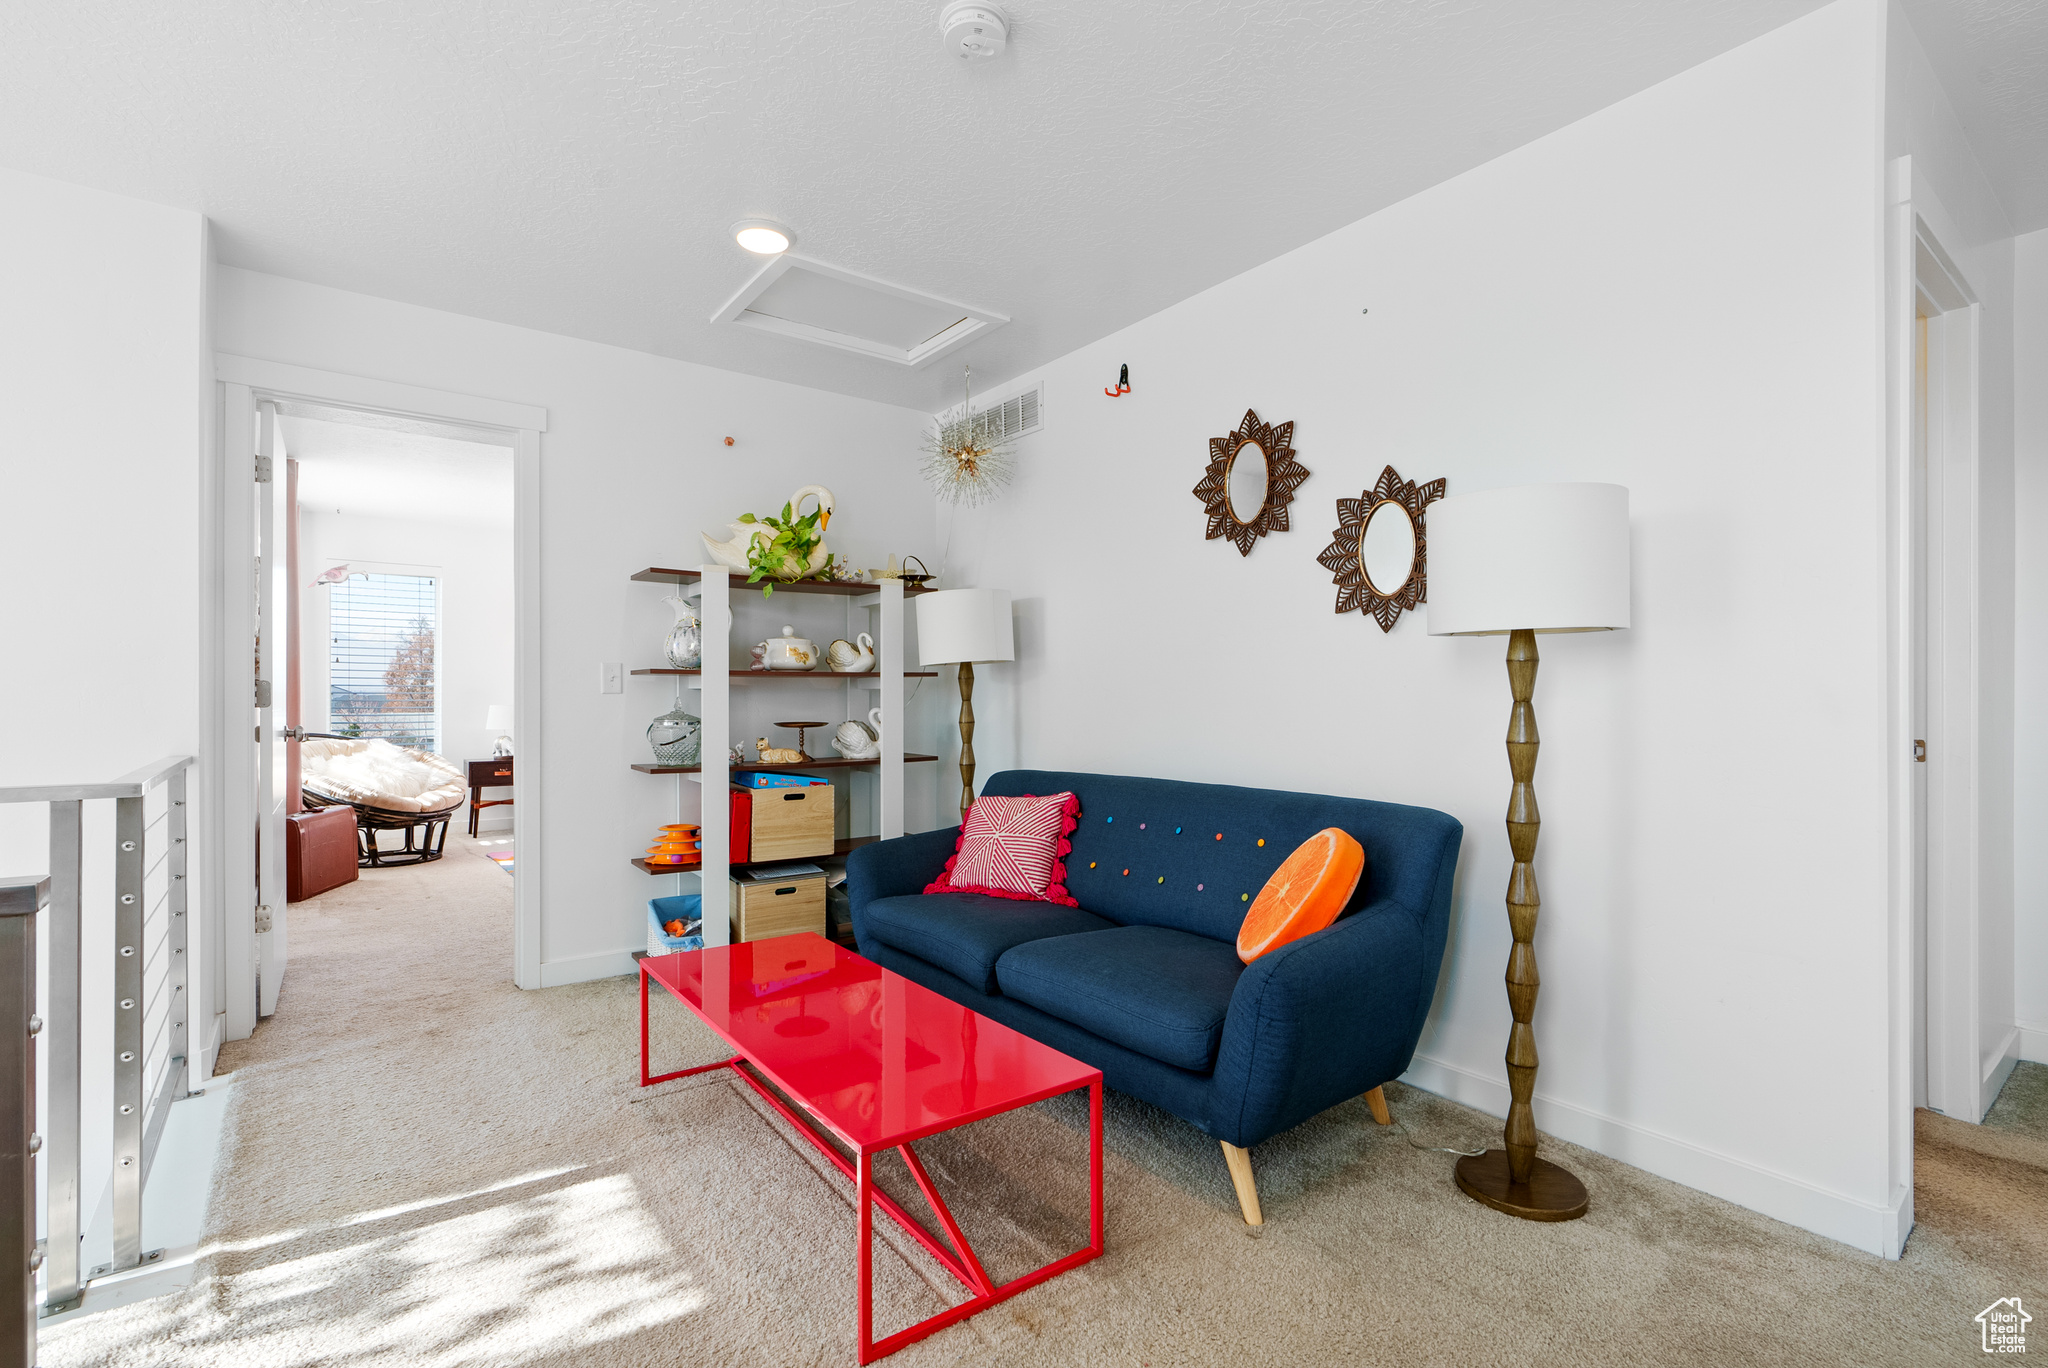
1165 833
966 933
1161 992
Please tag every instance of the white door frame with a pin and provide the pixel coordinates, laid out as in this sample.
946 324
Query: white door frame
1921 275
241 383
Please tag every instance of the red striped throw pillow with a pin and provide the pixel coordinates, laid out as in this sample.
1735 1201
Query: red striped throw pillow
1014 848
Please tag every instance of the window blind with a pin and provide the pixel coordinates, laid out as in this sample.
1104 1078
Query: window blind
381 660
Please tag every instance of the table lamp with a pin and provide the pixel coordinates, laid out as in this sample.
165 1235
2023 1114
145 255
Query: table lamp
1539 558
959 627
499 720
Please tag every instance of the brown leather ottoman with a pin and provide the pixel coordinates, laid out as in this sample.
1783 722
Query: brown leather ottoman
319 851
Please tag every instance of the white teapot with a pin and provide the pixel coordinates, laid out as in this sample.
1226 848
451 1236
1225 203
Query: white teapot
844 657
789 652
860 740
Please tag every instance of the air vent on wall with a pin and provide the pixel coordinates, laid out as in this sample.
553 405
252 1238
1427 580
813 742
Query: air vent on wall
794 296
1015 416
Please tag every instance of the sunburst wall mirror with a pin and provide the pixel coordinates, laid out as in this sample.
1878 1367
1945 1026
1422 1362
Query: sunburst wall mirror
1378 553
1251 479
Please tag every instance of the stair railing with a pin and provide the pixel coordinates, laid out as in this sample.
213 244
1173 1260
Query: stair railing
149 1069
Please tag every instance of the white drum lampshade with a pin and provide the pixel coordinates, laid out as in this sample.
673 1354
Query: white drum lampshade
1545 558
498 721
956 625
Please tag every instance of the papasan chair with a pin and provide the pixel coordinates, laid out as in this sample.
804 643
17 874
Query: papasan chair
392 788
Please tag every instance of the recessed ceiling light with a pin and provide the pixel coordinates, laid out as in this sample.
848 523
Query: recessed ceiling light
765 237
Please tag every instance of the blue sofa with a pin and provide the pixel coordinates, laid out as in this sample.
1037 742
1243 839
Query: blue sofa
1142 980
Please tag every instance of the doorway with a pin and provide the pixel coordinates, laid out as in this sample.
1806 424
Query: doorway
405 449
1964 1041
406 594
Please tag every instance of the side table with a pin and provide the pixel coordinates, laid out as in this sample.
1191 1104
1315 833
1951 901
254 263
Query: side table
485 774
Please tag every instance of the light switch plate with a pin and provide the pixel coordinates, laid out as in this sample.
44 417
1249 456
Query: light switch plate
611 677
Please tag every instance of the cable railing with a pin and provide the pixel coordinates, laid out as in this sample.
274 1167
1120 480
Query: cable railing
148 1068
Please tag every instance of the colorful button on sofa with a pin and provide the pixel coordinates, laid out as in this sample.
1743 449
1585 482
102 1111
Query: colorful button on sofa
1142 980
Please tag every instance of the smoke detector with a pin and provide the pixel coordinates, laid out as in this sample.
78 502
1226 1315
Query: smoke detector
974 29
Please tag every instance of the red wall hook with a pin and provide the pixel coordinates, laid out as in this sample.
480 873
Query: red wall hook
1123 384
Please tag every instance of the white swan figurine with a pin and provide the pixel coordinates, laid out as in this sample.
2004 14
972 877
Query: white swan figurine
845 657
860 740
733 553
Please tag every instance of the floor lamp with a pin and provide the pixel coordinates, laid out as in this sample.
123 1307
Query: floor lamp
959 627
1519 562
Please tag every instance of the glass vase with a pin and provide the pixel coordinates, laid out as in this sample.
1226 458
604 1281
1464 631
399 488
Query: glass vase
685 645
676 736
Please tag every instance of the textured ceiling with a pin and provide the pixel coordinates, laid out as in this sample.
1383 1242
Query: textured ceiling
574 165
377 473
1992 58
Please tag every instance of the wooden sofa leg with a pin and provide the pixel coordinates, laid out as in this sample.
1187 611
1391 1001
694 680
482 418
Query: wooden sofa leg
1377 1100
1240 1162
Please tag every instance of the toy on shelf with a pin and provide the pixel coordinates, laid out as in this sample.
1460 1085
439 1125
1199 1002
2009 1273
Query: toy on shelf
678 844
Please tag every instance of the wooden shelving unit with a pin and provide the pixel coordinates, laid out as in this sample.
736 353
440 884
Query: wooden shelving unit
715 589
806 765
827 676
844 845
739 581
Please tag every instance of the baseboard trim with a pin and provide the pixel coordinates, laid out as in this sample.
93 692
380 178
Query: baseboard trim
2034 1041
586 968
1871 1227
1998 1067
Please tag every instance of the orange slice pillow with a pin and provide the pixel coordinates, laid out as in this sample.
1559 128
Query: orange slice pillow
1304 895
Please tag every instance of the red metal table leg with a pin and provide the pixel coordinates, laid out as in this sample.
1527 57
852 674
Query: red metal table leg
863 1187
1095 1166
645 1079
978 1277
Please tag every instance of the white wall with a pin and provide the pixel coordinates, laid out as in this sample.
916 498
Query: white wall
472 566
1679 294
633 464
102 352
1955 197
2030 740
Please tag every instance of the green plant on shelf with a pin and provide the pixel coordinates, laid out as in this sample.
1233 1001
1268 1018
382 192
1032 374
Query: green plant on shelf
787 556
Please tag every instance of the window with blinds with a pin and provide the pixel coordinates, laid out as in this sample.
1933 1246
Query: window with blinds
381 658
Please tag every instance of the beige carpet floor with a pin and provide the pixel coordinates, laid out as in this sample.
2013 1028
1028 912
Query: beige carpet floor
426 1166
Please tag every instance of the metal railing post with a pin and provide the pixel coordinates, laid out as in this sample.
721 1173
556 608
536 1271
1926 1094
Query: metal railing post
129 1064
176 825
62 1283
20 900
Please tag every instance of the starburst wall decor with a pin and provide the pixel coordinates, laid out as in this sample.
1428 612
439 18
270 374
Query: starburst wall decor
1232 515
1399 501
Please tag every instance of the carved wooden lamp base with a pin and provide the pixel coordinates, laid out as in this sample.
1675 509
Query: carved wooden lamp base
1551 1194
1545 1192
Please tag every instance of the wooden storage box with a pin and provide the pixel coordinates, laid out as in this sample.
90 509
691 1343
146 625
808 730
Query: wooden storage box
762 908
790 823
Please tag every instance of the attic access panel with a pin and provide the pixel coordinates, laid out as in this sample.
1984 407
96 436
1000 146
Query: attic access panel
794 296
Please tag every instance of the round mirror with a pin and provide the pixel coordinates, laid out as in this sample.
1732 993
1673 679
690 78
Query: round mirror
1246 482
1386 548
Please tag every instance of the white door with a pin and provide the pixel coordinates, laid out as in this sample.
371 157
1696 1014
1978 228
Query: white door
273 602
1917 525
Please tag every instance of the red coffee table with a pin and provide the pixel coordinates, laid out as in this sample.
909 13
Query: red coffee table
878 1061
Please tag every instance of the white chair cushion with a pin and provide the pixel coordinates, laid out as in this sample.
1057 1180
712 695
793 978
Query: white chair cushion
381 775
